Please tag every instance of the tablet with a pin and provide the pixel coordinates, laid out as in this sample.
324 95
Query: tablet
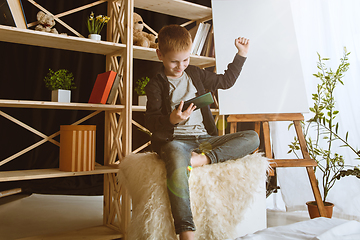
200 101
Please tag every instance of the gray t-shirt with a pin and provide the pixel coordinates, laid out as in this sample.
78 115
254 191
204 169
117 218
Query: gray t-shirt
182 88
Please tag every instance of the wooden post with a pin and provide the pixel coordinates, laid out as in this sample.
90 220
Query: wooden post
310 170
118 126
127 131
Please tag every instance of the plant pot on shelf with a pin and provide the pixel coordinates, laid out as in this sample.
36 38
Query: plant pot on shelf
95 37
61 95
140 90
142 100
314 211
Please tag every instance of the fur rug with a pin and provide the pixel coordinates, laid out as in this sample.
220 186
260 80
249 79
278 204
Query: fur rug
144 175
219 195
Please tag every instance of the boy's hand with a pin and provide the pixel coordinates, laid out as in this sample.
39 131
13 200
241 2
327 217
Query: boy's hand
242 44
177 115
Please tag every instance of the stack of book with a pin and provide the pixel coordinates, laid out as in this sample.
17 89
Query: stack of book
105 88
202 38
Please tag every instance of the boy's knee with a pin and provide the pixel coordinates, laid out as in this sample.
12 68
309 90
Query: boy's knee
175 153
170 147
253 137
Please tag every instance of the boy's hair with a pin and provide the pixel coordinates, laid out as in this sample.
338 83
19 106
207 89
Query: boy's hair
174 38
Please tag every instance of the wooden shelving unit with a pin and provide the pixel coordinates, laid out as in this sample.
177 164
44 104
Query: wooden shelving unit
118 118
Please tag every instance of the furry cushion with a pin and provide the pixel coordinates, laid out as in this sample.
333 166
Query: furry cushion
219 195
144 175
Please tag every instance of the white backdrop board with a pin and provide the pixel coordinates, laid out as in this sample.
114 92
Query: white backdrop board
272 79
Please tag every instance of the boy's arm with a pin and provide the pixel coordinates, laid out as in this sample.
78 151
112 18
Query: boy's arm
242 44
214 81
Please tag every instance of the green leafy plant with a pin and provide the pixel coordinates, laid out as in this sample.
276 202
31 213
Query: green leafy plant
61 79
140 85
321 145
96 24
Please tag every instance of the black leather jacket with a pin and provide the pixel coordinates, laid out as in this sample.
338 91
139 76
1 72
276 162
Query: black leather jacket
158 108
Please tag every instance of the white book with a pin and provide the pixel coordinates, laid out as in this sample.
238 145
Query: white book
197 38
204 35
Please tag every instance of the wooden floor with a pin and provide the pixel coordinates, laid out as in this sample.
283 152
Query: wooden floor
75 217
53 217
93 233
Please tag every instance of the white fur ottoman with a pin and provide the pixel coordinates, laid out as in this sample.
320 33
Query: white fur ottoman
220 195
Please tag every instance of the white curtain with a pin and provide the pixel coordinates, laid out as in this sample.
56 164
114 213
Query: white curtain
325 26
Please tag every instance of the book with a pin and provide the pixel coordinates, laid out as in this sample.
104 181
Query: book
210 49
197 38
207 45
12 14
199 102
102 87
204 35
114 89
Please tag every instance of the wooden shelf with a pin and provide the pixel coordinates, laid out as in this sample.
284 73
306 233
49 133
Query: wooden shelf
136 108
57 41
201 61
58 105
177 8
6 176
214 111
150 54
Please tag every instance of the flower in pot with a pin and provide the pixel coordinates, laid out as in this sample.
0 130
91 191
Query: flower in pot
140 90
321 132
96 24
60 83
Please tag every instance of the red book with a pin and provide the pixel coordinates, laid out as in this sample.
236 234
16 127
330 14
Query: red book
102 87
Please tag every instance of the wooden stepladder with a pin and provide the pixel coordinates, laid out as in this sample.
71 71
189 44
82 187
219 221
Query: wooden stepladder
263 120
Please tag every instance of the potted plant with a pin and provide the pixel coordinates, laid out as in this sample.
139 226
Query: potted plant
95 25
60 83
320 143
140 90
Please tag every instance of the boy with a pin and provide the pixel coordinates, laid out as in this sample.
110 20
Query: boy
188 137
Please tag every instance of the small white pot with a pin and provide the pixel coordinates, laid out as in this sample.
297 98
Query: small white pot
95 37
61 95
142 100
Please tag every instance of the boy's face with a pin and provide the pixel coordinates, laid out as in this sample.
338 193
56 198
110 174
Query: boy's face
174 62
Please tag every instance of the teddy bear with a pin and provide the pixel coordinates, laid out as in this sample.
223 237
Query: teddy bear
141 38
46 22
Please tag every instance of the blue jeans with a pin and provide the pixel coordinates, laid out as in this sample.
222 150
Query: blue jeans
177 154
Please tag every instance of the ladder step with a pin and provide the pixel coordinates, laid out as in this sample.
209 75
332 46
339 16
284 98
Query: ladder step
274 163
